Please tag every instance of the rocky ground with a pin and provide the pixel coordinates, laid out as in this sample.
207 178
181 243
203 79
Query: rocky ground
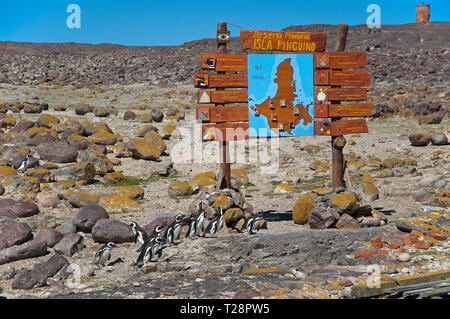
117 130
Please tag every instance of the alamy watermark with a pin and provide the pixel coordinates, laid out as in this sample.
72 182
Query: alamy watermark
73 21
374 19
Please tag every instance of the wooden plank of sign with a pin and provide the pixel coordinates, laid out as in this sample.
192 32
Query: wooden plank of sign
350 110
320 110
222 97
221 114
225 132
341 60
223 62
206 80
284 41
339 128
342 78
339 94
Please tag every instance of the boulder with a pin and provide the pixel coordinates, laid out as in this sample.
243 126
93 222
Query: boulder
202 179
44 136
129 115
67 228
47 120
168 131
420 139
154 138
22 184
322 217
142 149
179 188
58 152
232 216
132 192
40 273
41 174
70 244
439 139
224 201
103 138
106 230
146 118
302 208
347 221
118 203
346 203
114 178
100 111
49 236
370 191
239 176
82 109
144 129
14 233
81 198
163 221
30 249
88 215
157 115
78 172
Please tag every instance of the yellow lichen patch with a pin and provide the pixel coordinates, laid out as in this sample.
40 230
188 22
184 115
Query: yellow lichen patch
132 192
323 191
302 207
369 187
399 162
344 199
7 171
261 270
320 166
203 179
283 189
118 203
222 201
179 188
240 175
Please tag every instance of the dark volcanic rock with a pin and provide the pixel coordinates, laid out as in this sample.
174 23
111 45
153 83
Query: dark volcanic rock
30 249
50 236
40 273
419 139
321 217
88 215
14 233
20 208
59 152
106 230
70 244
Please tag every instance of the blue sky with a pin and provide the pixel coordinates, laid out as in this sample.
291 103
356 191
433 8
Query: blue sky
150 22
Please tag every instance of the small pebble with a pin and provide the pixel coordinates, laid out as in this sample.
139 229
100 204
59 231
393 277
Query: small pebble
405 270
404 257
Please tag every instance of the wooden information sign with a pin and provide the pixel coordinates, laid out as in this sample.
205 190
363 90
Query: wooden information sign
225 99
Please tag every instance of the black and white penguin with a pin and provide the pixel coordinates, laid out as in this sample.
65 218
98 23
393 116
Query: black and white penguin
248 225
139 234
149 249
103 254
258 218
24 165
156 231
173 230
200 221
192 229
214 225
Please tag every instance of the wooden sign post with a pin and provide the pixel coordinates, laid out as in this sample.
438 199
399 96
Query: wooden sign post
224 177
226 105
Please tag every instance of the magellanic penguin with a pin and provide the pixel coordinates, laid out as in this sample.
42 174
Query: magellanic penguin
156 231
139 234
258 218
103 254
173 230
191 230
24 165
149 249
214 225
248 225
200 221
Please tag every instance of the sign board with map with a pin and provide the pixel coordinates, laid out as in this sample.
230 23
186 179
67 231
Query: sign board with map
281 95
288 93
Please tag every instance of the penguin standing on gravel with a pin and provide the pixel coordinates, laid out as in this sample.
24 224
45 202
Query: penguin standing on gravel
248 225
191 230
200 221
258 218
103 254
149 249
25 163
215 225
139 234
173 230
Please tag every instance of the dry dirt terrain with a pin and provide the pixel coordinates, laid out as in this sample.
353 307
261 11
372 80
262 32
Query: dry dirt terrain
409 187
